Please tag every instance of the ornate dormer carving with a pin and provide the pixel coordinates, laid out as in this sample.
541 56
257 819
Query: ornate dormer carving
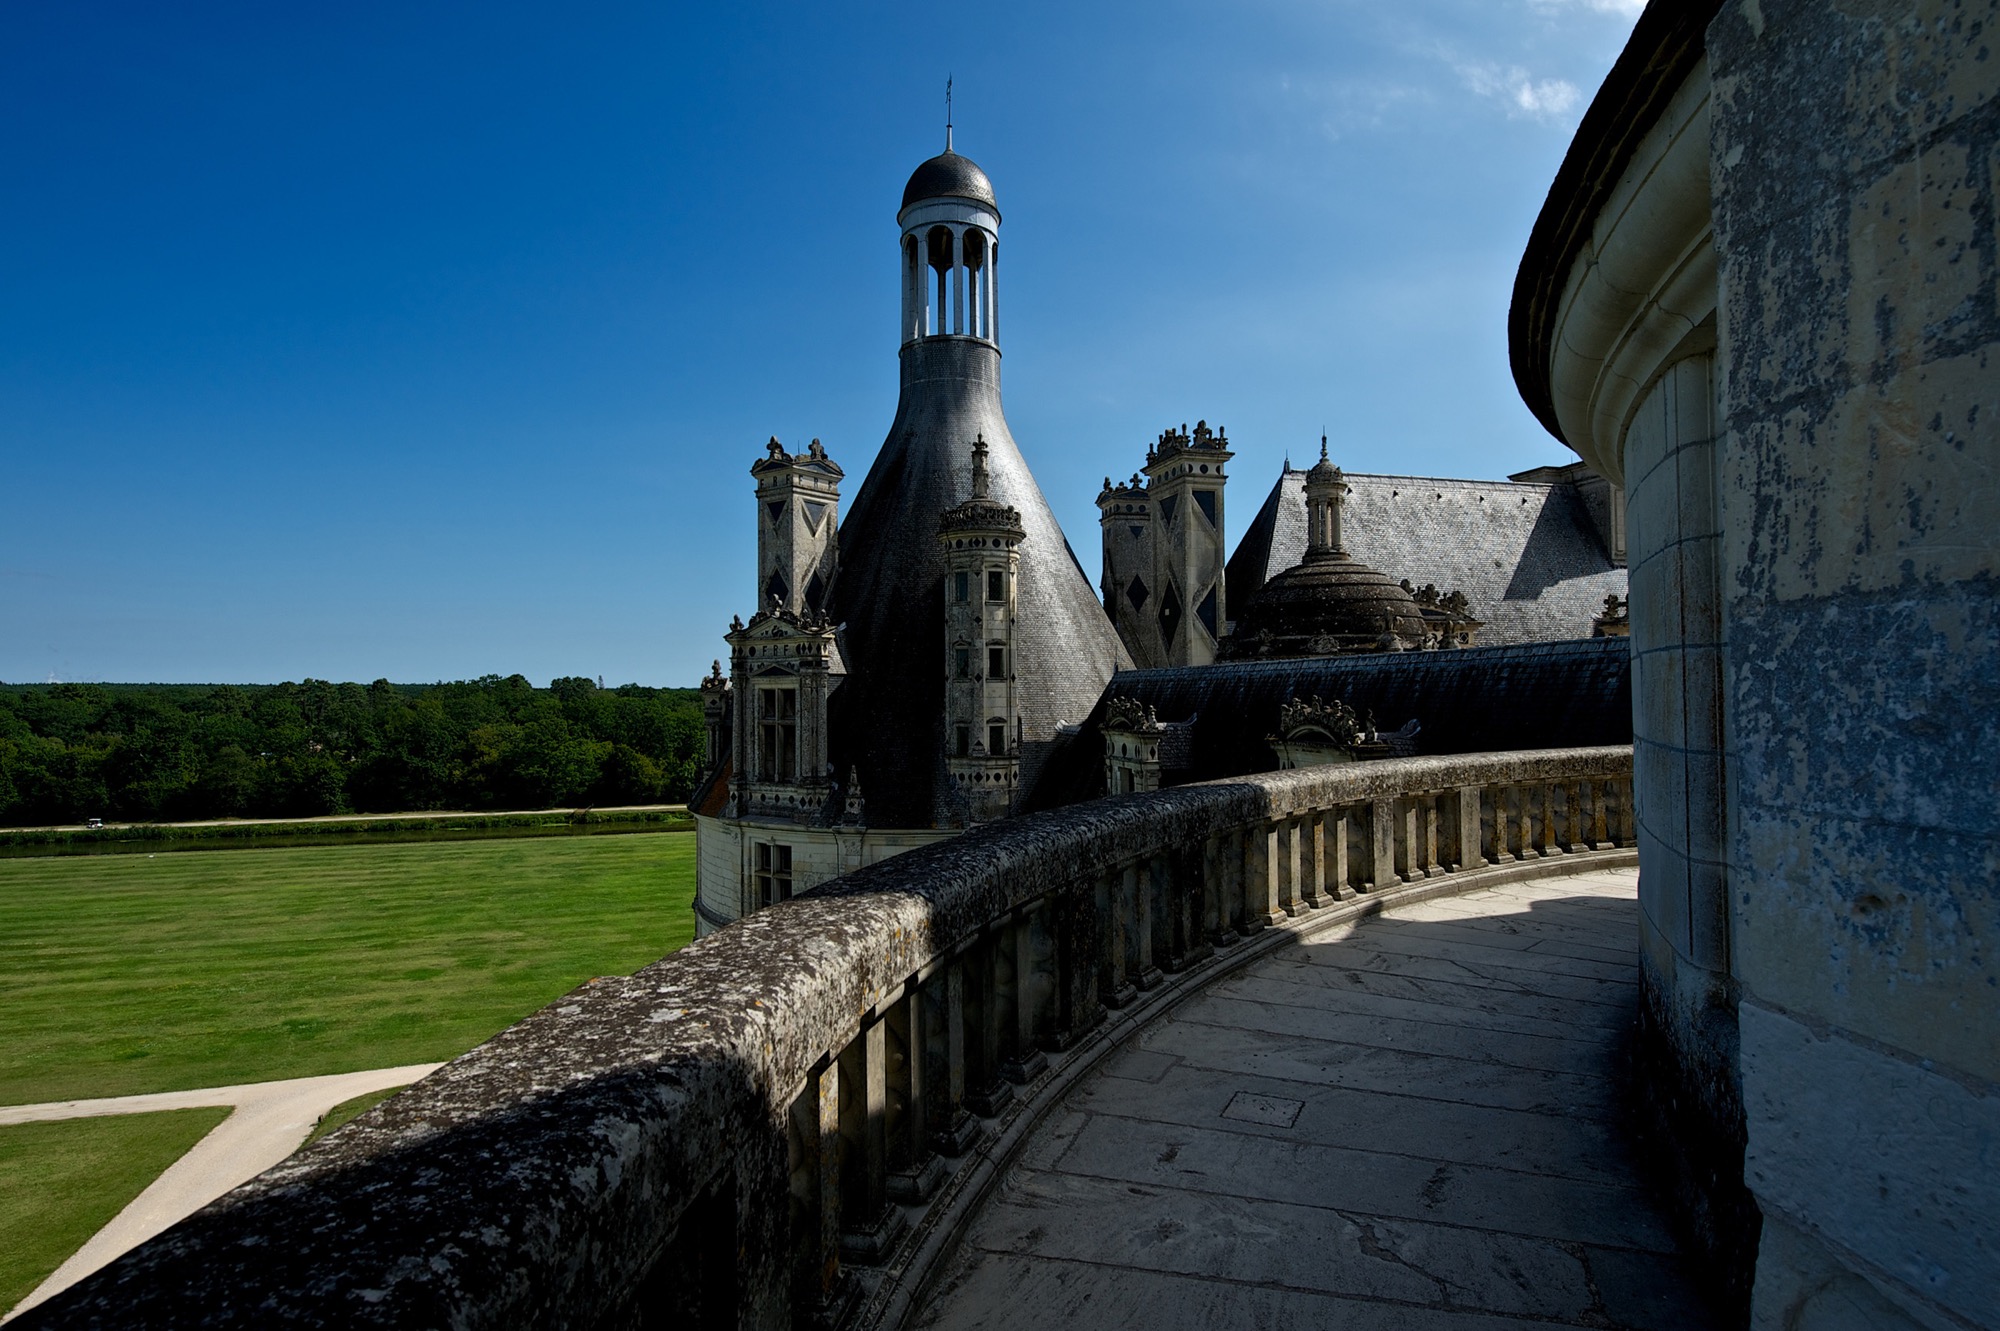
1448 620
1313 732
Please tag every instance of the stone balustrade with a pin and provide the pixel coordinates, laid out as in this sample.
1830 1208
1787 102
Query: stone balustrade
720 1139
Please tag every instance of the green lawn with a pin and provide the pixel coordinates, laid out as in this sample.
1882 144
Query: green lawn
61 1182
346 1112
131 973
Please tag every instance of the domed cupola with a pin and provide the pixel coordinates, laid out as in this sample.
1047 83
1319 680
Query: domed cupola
1329 603
949 176
951 251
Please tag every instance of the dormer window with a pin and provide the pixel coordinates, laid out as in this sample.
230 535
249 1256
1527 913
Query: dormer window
778 733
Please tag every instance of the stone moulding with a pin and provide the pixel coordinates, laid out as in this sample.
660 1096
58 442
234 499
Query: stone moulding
1620 254
713 1140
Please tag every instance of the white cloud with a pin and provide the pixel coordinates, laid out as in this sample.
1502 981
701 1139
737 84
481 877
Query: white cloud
1629 8
1520 92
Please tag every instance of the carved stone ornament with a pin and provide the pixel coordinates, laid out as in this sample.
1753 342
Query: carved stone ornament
1130 715
1314 717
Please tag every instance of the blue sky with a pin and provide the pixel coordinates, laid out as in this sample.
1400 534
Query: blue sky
426 341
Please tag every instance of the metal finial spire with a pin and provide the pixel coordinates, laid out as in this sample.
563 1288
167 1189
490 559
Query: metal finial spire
947 113
1322 444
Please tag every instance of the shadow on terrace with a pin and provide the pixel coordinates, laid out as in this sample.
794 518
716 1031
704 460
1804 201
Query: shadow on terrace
791 1122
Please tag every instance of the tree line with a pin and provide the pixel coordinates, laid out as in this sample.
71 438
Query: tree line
69 752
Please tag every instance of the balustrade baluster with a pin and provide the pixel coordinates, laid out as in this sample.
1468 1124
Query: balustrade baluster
1291 870
870 1226
1432 862
987 1092
1117 988
941 1014
915 1170
1260 878
1137 892
818 1284
1312 862
1503 829
1466 853
1382 838
1546 843
1340 874
1034 990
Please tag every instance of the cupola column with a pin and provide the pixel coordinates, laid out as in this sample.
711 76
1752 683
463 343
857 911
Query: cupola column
1326 492
958 274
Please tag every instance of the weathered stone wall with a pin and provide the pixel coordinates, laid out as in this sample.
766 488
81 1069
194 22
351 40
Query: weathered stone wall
1691 1106
705 1143
1856 157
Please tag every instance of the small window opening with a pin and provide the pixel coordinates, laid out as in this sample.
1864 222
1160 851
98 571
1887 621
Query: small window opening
996 586
774 872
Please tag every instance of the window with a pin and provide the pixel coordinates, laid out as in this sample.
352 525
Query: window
996 663
996 585
996 738
778 734
961 663
962 742
961 587
774 873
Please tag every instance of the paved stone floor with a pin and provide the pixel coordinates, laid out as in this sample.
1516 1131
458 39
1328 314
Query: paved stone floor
1408 1123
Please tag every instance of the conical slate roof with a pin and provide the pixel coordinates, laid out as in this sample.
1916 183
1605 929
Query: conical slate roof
888 717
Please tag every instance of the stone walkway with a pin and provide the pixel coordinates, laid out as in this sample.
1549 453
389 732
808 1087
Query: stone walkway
270 1120
1411 1123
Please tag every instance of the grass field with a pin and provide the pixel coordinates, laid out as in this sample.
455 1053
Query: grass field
131 973
61 1182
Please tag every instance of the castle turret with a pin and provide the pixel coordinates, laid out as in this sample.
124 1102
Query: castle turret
892 711
981 543
784 663
1125 514
1164 556
1184 479
798 515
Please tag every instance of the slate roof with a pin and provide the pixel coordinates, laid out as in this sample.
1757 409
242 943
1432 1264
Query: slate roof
1526 555
887 718
1545 695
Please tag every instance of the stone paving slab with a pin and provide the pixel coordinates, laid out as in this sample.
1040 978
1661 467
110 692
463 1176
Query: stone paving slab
1224 1163
1412 1123
1225 1050
1526 974
1278 988
1561 1145
1438 1039
1436 993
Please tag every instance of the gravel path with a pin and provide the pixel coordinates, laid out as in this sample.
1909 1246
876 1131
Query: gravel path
271 1119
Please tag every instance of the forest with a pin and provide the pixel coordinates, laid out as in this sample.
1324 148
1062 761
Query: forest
172 752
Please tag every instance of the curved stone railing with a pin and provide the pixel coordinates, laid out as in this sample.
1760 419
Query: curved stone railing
715 1140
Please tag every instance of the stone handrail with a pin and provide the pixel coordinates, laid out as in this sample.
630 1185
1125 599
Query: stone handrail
714 1141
